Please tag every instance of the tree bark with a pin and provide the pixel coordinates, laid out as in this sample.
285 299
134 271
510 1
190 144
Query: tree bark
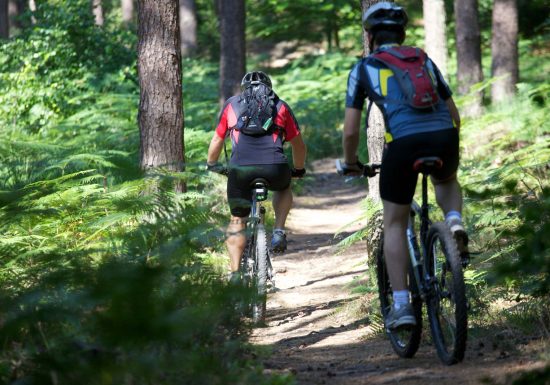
127 7
188 27
376 130
232 47
160 78
4 20
436 35
504 50
375 145
32 7
97 9
468 54
15 9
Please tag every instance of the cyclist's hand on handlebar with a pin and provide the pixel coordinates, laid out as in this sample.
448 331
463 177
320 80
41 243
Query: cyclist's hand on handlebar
218 168
370 170
298 173
353 169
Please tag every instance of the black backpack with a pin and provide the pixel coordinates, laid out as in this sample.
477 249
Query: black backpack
258 111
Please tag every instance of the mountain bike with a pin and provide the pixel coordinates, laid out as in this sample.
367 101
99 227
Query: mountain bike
255 268
435 278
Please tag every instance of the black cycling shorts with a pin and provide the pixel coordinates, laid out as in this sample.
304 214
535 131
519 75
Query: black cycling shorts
239 192
397 177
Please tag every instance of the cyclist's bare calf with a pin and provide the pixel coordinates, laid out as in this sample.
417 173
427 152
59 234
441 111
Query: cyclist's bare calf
236 241
448 194
282 202
396 217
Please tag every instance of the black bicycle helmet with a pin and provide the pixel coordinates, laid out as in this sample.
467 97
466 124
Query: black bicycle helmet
254 78
384 14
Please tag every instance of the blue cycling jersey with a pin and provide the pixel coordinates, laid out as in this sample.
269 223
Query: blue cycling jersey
371 78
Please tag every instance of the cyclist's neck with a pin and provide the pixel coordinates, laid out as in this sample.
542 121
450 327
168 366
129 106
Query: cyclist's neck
384 46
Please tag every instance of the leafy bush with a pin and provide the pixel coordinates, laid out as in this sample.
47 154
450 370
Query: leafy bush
508 192
45 71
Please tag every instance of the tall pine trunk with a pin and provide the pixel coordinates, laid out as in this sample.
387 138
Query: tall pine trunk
127 7
375 145
376 130
160 78
15 10
97 9
188 27
232 47
436 35
504 50
32 7
468 54
4 20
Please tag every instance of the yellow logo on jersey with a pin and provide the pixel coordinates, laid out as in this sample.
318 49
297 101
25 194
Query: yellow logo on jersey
385 74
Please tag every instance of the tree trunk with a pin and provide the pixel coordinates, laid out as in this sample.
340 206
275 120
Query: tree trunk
436 36
188 27
468 54
127 7
15 10
97 9
232 47
4 20
375 145
504 50
376 130
32 7
160 78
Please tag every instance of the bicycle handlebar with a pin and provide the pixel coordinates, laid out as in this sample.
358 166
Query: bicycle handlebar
218 168
369 170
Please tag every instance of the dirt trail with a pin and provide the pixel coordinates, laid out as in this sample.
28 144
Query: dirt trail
321 332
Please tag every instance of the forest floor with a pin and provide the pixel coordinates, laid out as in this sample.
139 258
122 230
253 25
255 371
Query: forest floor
322 332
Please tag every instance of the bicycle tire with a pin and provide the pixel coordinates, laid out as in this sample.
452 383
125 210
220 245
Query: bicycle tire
404 341
446 302
261 272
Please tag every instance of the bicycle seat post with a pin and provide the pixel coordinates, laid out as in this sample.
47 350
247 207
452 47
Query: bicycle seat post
426 166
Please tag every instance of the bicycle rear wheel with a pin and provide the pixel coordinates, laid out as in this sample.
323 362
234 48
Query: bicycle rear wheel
406 340
447 306
261 270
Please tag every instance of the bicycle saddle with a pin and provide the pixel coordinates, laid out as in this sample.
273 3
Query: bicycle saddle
427 164
259 181
259 187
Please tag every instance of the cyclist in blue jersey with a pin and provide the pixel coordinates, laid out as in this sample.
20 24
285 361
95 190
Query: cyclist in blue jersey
411 133
257 156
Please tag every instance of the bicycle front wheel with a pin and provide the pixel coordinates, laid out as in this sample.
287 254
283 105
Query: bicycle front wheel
261 270
406 340
447 306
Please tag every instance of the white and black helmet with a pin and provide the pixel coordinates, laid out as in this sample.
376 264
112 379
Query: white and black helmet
384 14
254 78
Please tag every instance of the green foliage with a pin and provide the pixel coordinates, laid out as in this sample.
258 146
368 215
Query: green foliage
302 20
507 189
99 283
314 87
45 71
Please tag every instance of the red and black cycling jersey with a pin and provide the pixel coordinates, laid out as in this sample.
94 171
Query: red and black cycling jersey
251 150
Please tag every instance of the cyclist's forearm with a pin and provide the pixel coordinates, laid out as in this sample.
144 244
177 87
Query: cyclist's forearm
350 137
215 149
455 115
299 152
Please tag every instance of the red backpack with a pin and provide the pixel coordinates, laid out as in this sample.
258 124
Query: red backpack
415 80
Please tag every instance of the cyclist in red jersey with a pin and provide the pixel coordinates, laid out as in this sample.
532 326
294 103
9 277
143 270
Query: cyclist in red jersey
257 156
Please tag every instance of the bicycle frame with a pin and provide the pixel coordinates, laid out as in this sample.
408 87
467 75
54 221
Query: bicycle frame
257 210
417 254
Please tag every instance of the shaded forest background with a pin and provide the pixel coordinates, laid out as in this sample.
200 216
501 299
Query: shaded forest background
100 283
